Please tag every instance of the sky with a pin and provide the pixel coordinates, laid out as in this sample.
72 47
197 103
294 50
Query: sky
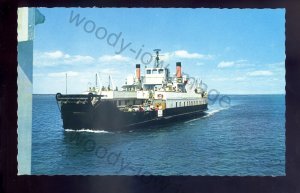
233 51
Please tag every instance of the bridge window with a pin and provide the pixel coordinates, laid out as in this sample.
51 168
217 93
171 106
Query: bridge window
154 71
161 71
148 71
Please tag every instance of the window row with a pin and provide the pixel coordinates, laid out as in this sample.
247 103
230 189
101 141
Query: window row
187 103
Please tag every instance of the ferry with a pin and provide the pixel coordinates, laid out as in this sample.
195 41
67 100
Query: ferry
145 100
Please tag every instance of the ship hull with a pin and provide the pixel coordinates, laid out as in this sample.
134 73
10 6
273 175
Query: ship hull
106 116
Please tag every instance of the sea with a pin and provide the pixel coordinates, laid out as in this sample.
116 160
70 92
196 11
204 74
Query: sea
244 138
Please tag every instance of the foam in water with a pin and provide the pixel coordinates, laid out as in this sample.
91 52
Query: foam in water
192 120
212 112
87 130
208 114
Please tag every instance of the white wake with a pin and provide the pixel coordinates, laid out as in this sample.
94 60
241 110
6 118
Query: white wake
212 112
209 113
87 130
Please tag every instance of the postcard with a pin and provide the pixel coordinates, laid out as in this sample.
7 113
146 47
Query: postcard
151 91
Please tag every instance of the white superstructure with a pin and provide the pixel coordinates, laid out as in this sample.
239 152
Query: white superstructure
156 86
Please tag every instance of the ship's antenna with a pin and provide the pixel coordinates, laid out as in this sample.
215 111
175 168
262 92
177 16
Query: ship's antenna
112 83
156 62
109 81
96 80
66 83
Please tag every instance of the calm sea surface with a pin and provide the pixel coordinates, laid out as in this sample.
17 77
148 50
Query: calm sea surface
247 138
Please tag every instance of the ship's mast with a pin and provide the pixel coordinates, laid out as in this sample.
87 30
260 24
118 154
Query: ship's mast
156 62
109 83
96 80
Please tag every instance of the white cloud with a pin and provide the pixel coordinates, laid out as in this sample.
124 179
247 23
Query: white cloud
260 73
240 78
224 64
166 57
54 55
113 58
78 59
278 67
276 64
110 71
55 58
237 63
62 74
187 55
183 54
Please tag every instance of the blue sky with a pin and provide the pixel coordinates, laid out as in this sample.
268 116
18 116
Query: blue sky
235 51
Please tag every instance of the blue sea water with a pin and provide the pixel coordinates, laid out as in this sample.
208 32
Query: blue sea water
246 138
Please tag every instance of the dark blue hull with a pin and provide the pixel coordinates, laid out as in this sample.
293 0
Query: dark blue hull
106 116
